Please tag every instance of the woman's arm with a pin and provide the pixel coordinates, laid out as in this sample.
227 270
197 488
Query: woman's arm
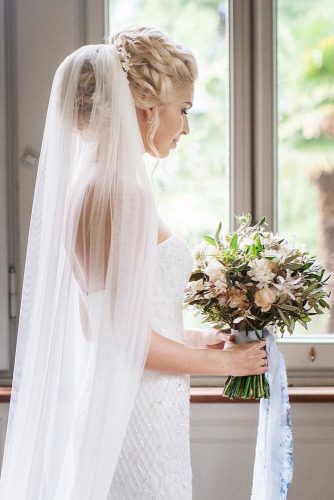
173 357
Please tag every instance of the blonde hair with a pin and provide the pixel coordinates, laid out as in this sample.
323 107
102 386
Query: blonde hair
160 70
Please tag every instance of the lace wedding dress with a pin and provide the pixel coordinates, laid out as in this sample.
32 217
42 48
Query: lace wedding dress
154 463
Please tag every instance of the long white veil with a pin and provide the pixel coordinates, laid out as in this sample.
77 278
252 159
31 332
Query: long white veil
84 327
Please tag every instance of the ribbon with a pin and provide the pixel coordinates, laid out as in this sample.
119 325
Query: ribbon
273 466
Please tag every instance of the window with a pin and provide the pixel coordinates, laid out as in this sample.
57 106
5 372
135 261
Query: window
192 184
305 100
265 88
305 163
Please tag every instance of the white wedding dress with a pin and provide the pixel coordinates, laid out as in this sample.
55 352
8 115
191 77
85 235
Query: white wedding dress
154 463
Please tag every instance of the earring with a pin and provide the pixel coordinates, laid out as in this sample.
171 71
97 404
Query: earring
150 121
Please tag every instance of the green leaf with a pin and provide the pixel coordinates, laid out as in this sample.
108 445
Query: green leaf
261 222
288 307
234 242
323 303
285 319
294 267
311 287
210 240
302 323
290 259
258 244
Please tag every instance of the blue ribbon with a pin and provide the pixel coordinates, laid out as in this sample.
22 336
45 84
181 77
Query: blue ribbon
273 466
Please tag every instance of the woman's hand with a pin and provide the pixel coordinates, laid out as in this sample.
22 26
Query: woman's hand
216 339
207 339
244 359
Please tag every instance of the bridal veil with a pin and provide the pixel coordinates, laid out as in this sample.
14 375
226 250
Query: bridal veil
84 327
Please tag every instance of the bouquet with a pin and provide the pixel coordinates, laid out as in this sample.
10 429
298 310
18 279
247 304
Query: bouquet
250 279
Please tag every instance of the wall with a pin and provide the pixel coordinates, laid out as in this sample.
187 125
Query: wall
223 445
46 32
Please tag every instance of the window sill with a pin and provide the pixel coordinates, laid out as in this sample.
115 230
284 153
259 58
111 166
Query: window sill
214 395
296 395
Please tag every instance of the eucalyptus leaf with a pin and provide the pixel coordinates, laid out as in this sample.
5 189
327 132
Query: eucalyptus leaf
288 307
294 267
323 303
284 318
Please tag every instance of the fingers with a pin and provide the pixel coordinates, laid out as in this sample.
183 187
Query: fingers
261 355
260 371
218 338
258 344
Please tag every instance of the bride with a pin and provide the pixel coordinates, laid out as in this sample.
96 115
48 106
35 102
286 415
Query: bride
100 395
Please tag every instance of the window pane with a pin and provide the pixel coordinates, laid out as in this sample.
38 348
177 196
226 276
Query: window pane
305 52
192 185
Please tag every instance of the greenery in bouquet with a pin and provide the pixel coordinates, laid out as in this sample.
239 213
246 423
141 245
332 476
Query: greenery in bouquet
250 279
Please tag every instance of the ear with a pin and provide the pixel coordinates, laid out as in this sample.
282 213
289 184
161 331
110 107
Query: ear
145 114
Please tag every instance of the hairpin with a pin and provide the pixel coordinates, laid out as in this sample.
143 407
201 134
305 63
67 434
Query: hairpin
125 55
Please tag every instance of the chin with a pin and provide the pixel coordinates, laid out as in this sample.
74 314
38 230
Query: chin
162 154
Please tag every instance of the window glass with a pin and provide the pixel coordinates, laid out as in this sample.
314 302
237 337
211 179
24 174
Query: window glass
192 184
305 85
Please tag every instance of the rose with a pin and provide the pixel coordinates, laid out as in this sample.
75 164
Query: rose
237 299
265 297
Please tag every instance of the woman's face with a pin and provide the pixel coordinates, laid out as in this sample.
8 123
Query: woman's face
173 122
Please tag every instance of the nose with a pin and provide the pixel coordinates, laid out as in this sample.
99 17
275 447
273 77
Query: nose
186 128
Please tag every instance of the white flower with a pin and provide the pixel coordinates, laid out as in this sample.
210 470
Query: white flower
269 239
277 254
214 270
247 241
213 253
199 254
285 286
261 270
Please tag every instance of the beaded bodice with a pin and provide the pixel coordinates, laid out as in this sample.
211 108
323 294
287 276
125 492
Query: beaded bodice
155 459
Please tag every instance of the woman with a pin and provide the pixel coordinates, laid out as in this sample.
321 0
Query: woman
100 401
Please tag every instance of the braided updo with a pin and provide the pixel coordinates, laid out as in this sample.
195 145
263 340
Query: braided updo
160 70
160 67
